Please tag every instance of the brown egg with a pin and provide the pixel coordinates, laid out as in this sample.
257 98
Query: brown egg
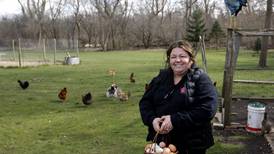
166 151
162 144
148 146
172 148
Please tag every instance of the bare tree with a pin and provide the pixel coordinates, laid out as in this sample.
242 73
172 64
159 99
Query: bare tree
106 10
56 8
149 15
35 10
89 24
75 5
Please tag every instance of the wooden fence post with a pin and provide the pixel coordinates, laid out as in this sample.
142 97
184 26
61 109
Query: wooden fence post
44 50
54 58
20 53
13 50
232 50
77 47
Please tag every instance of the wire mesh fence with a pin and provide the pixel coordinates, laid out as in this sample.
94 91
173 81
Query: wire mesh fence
25 52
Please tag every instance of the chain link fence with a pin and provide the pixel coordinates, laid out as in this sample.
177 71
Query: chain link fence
27 52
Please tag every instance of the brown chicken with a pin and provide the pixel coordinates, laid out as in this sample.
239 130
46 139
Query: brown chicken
63 94
146 87
131 78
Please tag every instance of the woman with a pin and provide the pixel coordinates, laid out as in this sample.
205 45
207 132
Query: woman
180 103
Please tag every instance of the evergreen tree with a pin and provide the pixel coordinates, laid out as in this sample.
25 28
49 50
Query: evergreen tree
216 33
195 27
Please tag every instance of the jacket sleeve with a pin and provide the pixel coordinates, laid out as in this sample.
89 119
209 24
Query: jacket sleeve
146 104
202 109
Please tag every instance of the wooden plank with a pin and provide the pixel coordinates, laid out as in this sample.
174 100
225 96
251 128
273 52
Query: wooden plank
266 99
253 81
256 33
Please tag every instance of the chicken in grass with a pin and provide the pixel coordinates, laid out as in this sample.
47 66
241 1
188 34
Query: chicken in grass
146 87
123 96
87 99
23 84
131 78
63 94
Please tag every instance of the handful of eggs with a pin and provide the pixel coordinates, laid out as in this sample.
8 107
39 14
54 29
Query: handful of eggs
162 148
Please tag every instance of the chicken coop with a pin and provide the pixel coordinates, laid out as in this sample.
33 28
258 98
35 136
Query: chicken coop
234 37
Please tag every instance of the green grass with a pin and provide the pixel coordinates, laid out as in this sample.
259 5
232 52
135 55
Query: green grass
34 121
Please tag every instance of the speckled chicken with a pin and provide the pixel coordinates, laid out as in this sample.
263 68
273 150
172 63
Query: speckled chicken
63 94
87 99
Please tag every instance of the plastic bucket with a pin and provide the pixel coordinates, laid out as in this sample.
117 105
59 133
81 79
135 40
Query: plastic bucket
255 116
72 60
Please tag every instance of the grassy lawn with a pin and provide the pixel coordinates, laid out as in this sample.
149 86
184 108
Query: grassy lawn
35 121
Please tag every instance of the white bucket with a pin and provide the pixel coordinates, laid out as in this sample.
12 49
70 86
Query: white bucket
72 60
255 116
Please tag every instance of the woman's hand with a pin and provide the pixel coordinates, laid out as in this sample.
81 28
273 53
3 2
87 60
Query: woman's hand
157 124
166 125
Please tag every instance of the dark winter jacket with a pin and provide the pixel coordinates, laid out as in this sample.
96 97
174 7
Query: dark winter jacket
191 103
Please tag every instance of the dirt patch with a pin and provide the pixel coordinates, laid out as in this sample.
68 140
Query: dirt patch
16 63
254 144
25 64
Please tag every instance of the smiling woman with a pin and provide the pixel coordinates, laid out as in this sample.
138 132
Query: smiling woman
9 7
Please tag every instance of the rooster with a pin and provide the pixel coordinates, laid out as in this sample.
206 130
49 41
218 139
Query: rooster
23 84
63 94
131 78
87 99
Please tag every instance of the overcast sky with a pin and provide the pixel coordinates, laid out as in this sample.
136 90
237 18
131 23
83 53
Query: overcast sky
9 7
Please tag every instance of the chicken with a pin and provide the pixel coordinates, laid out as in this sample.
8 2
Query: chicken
266 125
112 91
146 87
123 96
87 99
215 83
131 78
23 84
63 94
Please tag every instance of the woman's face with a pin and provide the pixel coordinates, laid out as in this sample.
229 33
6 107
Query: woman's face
179 61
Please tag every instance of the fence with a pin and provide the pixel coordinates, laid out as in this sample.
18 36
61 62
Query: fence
25 52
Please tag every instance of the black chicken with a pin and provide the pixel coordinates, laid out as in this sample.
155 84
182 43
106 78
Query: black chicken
23 84
131 78
87 99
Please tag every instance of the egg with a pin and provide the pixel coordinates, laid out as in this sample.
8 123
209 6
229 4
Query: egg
166 151
162 144
172 148
148 146
147 150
